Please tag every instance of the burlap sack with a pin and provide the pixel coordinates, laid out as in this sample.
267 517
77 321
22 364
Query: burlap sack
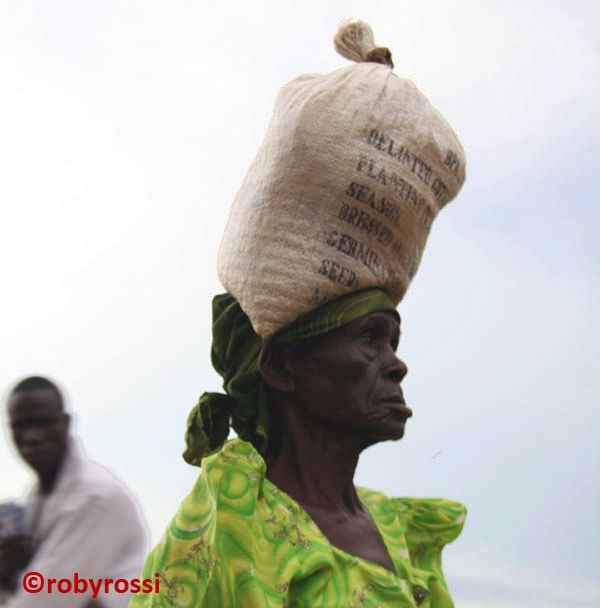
354 167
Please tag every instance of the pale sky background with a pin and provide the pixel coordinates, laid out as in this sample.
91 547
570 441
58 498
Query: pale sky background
126 128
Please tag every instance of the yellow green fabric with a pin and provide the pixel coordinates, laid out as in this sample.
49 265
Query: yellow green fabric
234 355
237 540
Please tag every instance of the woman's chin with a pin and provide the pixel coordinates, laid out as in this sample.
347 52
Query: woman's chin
391 431
397 433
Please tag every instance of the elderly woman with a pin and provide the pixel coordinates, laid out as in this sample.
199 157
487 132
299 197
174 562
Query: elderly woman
275 518
305 342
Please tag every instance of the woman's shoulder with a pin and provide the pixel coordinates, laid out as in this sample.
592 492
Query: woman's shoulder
207 543
235 454
429 522
421 527
230 481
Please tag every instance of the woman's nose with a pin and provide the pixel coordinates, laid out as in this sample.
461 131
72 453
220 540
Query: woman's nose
396 369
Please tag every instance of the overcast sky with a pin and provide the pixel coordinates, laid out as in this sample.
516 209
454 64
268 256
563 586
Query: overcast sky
126 129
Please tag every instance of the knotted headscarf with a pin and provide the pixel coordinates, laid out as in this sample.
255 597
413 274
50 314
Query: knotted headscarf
234 355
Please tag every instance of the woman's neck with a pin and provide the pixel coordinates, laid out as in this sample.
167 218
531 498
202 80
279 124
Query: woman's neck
315 463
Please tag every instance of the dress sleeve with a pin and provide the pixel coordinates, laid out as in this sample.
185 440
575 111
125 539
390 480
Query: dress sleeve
431 524
184 556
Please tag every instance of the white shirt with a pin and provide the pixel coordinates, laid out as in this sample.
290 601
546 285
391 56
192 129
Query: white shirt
89 524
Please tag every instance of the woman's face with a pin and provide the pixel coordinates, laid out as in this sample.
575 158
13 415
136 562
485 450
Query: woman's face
351 378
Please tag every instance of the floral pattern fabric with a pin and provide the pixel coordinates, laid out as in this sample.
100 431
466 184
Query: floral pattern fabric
237 540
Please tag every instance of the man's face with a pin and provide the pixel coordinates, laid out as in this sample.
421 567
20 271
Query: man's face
39 428
351 378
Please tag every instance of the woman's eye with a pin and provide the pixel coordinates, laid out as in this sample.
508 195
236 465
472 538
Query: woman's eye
369 338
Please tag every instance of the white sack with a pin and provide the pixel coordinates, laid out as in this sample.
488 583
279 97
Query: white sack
354 167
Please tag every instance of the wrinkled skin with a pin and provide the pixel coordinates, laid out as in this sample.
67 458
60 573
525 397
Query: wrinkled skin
334 397
351 379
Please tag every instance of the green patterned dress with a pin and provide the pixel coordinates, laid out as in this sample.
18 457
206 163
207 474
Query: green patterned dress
237 540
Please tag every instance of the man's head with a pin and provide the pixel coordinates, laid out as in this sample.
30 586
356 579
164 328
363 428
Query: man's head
39 423
348 379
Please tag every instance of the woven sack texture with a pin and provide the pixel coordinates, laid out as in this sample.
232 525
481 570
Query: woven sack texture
353 169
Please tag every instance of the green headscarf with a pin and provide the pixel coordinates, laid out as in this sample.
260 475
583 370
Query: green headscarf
234 355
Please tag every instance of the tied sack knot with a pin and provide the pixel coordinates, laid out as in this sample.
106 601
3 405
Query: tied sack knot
354 40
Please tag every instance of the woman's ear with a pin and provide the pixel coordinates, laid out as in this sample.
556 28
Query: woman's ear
275 366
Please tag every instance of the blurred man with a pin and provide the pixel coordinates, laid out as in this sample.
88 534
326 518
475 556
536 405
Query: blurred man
78 518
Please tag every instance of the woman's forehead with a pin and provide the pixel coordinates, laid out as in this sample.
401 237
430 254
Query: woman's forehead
381 318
